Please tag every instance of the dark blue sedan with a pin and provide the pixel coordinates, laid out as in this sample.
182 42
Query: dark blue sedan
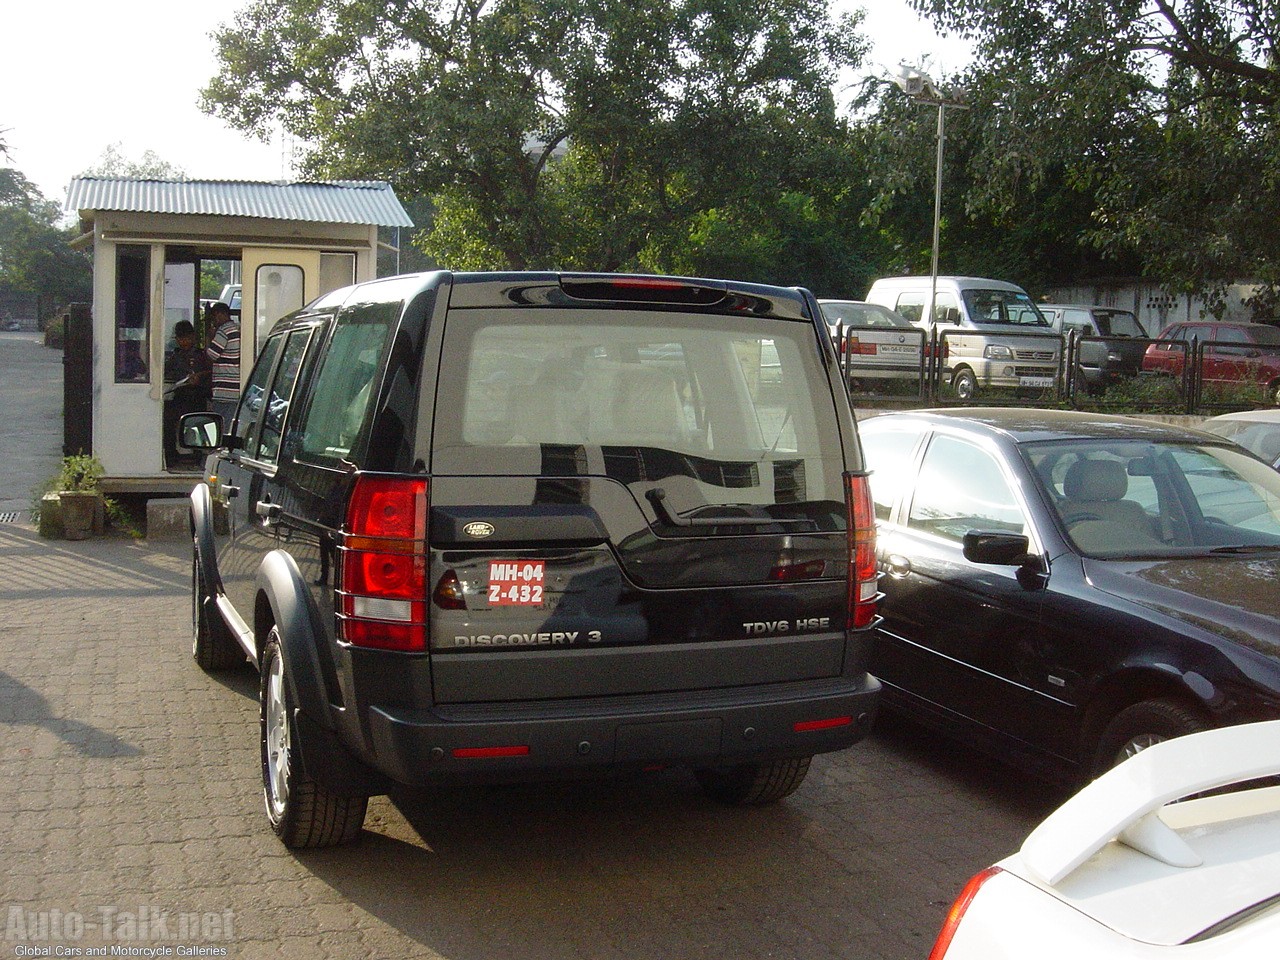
1072 587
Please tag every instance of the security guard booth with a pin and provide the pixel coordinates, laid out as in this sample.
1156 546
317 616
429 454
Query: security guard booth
291 241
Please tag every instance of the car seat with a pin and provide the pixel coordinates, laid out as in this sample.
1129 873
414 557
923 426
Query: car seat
1098 517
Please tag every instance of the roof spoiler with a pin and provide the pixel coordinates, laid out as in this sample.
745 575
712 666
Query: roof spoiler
1124 803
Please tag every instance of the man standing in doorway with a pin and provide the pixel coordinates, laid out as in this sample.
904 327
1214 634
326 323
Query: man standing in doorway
224 355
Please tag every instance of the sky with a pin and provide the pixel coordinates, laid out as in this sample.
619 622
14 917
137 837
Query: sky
77 76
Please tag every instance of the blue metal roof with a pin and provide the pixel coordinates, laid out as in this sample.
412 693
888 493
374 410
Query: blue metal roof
336 201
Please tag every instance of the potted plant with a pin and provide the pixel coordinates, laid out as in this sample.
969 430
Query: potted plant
79 496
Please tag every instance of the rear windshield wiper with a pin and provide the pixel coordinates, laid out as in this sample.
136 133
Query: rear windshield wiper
658 497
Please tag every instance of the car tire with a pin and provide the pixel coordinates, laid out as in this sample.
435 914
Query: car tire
303 814
754 784
965 384
211 647
1141 725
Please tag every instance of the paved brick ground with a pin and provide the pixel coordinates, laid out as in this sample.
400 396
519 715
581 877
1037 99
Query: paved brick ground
129 781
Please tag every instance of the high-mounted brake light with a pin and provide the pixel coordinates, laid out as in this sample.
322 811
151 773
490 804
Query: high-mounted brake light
382 602
633 289
956 913
862 579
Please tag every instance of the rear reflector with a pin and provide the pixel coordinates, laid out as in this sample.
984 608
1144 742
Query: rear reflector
956 913
382 600
804 726
862 578
480 753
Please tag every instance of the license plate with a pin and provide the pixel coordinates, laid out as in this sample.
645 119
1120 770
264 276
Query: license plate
1036 381
899 348
516 583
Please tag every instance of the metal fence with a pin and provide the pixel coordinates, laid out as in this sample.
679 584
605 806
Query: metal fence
1045 369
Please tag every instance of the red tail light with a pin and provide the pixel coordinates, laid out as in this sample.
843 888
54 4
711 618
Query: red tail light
382 602
862 578
956 913
864 349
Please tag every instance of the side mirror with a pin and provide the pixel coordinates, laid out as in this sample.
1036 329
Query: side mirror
200 431
999 549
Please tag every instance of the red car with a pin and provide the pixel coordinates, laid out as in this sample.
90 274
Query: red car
1233 353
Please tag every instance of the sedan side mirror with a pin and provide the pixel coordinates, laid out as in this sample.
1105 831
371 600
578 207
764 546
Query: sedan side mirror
1000 549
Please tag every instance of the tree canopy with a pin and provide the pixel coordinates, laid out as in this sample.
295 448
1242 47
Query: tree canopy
35 256
666 121
1160 114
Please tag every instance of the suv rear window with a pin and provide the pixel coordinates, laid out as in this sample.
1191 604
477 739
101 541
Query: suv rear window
739 405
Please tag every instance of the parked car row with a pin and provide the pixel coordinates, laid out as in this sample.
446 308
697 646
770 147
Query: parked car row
990 334
478 528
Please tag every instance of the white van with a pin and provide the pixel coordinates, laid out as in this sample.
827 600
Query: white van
1011 344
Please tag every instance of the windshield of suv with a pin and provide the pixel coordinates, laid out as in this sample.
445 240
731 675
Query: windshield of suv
1124 498
1003 306
1118 323
719 410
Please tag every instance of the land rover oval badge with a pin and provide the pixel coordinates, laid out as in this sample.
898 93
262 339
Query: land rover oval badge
478 529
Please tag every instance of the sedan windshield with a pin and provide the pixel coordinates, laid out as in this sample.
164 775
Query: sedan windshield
862 315
1124 498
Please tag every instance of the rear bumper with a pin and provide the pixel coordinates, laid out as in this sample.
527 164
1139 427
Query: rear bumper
569 739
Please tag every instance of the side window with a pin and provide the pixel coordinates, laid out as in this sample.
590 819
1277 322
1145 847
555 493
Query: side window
946 309
1079 320
911 305
962 488
272 422
889 460
133 308
343 386
1172 338
252 399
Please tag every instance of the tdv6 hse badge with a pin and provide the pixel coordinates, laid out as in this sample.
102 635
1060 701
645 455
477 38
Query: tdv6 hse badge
758 627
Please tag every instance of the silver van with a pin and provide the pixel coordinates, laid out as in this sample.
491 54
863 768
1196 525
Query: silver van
990 332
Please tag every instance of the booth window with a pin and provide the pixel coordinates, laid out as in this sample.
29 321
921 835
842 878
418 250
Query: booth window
277 292
133 307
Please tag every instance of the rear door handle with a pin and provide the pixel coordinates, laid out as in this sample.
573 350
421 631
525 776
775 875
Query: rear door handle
230 491
268 511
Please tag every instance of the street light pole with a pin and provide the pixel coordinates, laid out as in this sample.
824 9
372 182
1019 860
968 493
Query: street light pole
919 86
937 213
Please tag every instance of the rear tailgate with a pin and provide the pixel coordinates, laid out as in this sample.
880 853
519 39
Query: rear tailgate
646 502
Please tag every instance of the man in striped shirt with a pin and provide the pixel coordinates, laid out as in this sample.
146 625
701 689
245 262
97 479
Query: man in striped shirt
224 355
